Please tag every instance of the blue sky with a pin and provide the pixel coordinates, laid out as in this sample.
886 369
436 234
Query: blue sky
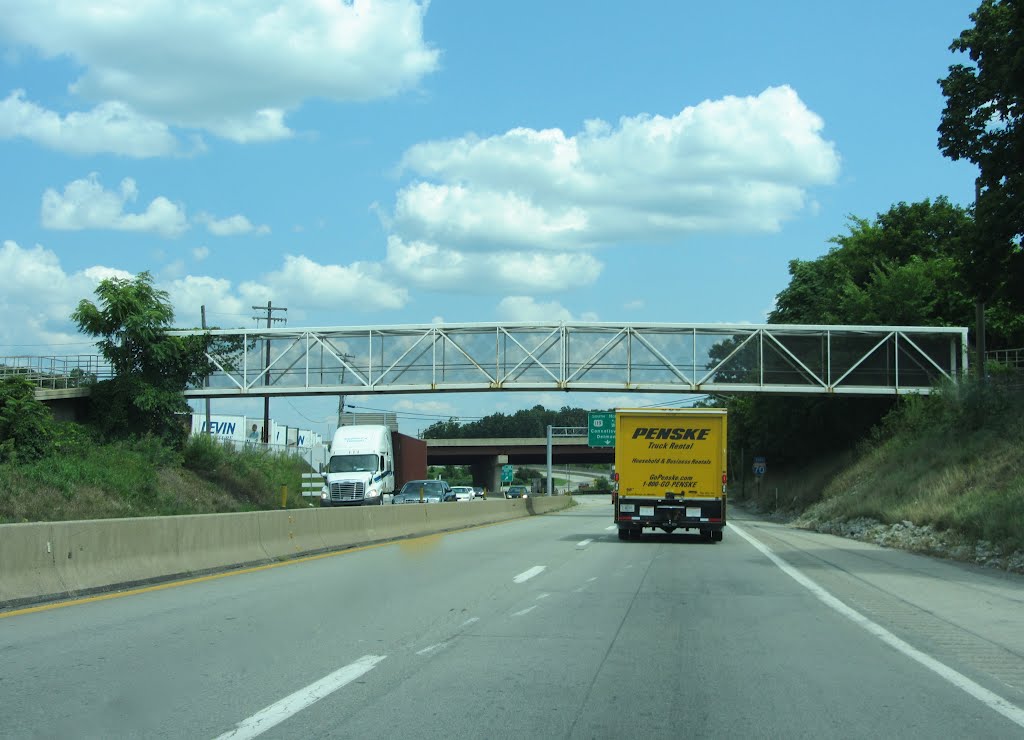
372 162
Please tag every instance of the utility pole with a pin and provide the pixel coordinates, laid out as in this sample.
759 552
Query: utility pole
979 305
206 380
271 320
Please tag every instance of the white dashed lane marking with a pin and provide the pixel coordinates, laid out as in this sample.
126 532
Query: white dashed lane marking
528 574
292 704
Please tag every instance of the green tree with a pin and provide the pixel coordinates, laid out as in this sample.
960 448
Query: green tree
532 422
982 123
151 369
900 268
26 425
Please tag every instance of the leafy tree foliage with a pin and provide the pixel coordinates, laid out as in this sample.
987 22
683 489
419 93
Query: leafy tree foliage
982 123
130 320
901 268
524 423
27 428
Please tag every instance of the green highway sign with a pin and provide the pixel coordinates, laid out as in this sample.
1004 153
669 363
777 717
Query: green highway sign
601 429
507 474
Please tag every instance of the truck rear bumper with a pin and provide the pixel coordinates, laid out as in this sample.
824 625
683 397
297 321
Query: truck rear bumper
703 514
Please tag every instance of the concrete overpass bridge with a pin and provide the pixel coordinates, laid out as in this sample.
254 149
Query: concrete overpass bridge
486 456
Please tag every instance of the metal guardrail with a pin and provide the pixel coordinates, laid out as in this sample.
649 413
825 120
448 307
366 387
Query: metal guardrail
57 373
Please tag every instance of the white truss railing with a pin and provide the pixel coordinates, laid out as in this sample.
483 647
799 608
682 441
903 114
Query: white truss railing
57 373
586 356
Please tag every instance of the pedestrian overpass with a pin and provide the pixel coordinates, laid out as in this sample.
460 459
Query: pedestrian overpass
581 356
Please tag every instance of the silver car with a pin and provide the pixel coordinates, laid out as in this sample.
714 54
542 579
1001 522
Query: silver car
424 491
463 493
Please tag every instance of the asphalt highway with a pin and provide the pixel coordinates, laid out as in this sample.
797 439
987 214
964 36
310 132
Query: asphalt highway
537 628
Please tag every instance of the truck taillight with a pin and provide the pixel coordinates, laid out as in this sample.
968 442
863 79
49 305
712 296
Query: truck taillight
725 478
615 476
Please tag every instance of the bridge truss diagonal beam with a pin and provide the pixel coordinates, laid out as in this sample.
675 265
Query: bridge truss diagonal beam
583 356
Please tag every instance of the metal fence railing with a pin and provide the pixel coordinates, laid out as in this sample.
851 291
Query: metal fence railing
56 373
1010 357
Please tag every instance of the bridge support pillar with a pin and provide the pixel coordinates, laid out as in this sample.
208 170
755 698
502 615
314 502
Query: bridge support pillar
487 473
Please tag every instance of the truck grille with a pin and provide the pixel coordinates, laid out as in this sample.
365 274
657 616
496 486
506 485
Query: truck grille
347 491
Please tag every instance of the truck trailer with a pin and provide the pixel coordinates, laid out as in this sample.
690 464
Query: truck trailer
368 463
670 471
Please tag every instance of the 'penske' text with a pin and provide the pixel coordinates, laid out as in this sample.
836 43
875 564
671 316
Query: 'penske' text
670 433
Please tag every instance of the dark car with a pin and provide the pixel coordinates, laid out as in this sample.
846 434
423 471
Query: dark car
433 492
517 492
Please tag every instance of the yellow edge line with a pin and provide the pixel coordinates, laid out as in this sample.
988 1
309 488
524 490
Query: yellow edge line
237 572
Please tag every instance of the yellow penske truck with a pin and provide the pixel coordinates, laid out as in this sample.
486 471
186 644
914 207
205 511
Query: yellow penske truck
670 469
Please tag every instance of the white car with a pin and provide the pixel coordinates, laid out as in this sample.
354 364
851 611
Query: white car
463 493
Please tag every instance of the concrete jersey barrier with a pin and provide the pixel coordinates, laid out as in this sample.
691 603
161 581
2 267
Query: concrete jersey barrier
53 560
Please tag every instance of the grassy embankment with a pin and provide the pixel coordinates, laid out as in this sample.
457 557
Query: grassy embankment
85 480
953 461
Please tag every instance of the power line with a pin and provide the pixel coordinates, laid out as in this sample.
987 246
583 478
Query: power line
311 421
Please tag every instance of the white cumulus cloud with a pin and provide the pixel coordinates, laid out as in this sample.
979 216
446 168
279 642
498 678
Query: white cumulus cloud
110 128
232 225
233 68
526 308
189 293
363 286
85 204
736 164
38 298
429 266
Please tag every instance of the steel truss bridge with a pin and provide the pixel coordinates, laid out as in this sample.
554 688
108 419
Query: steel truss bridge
582 356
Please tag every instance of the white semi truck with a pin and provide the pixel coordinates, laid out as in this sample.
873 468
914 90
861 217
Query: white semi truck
368 462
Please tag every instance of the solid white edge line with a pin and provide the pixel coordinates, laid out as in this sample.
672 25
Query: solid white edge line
527 610
583 543
1011 711
469 622
294 703
528 574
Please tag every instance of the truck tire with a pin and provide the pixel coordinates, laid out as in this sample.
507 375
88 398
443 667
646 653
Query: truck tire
717 536
623 534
